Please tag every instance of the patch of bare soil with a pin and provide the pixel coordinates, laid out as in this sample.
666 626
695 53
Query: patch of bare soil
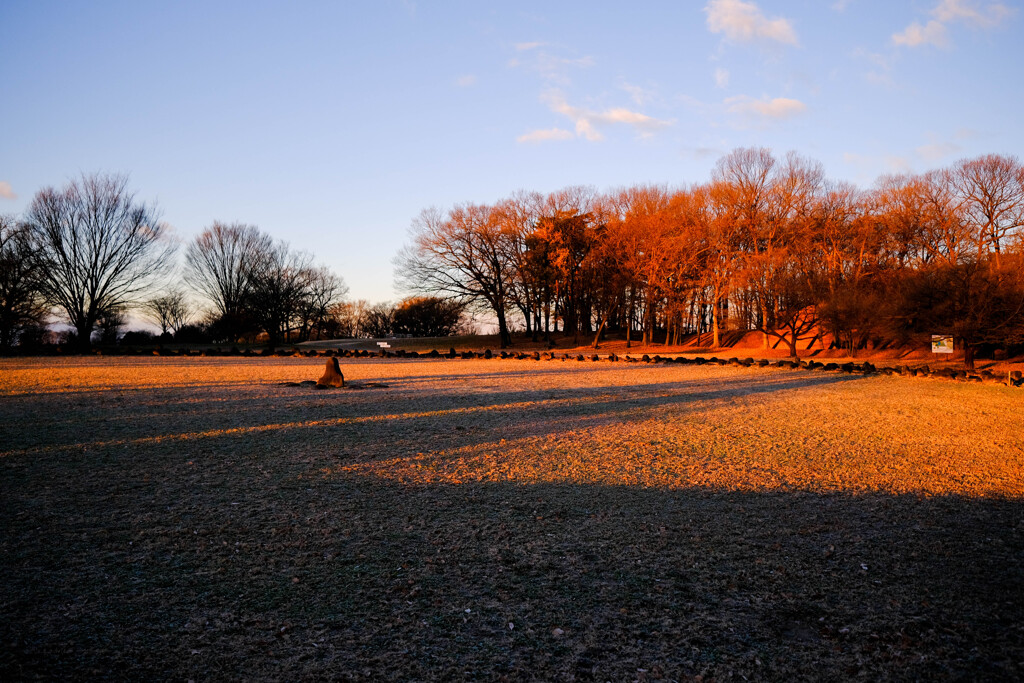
196 518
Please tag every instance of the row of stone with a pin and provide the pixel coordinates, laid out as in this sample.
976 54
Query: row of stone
1014 378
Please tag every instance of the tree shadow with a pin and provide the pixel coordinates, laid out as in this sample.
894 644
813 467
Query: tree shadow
360 577
196 535
158 413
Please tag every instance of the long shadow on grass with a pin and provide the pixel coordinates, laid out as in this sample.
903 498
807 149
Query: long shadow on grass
461 417
360 578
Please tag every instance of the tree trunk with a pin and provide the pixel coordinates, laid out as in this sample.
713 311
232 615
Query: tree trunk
597 337
791 341
84 332
504 337
715 334
969 356
764 323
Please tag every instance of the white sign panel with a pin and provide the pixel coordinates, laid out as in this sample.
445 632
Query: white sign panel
942 343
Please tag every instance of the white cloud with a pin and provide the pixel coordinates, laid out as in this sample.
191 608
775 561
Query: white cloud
523 47
721 77
777 108
744 22
948 12
932 33
6 191
639 95
986 16
588 122
545 135
841 5
465 81
936 151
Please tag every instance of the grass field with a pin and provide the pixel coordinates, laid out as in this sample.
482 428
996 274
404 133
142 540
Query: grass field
193 518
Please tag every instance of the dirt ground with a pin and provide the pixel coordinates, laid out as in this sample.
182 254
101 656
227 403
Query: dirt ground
194 518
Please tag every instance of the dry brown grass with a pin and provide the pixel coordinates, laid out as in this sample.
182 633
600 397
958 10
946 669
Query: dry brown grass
192 518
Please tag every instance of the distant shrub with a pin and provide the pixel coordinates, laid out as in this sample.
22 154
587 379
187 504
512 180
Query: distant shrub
193 334
138 338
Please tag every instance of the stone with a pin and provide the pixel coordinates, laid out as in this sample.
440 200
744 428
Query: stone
332 376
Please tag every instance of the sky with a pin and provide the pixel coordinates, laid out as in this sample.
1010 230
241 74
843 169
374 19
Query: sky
332 125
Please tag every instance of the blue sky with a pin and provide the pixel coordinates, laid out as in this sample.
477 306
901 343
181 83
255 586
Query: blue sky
332 125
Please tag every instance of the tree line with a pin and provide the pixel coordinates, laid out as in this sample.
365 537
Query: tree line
766 244
90 252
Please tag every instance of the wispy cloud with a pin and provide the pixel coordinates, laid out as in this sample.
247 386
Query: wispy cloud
640 95
946 12
764 108
982 16
6 191
743 22
932 33
465 81
545 135
553 68
588 122
882 66
841 5
721 77
701 153
935 151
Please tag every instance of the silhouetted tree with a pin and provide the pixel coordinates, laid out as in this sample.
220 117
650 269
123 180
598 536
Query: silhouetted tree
170 311
219 264
21 301
378 320
279 280
99 248
428 316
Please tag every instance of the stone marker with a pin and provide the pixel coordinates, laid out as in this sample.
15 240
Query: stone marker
332 376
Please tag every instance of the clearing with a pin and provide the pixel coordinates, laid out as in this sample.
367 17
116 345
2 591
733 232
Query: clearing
192 518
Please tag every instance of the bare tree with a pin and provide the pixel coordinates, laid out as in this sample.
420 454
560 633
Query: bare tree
170 311
220 263
21 302
990 191
463 254
324 291
378 320
278 280
110 324
345 317
99 248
